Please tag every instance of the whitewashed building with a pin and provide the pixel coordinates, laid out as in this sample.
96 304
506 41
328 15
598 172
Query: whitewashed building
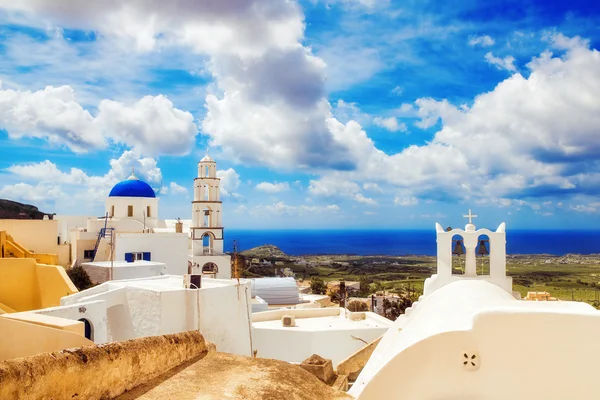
470 337
127 231
135 308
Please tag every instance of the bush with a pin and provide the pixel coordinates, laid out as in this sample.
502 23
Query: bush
80 278
357 305
317 286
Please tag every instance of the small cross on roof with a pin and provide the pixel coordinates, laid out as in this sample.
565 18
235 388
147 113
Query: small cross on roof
470 216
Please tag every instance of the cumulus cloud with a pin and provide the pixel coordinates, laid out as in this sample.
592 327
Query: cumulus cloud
483 41
529 137
230 181
46 178
274 187
406 201
177 189
269 102
391 124
280 208
506 63
151 126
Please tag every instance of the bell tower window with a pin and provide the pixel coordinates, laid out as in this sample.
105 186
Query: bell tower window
148 212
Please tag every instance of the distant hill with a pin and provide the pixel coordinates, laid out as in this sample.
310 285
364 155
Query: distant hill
265 251
13 210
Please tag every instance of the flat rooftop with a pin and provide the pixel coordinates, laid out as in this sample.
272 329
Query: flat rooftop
319 319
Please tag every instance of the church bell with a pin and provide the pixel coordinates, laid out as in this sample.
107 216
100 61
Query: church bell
482 249
458 248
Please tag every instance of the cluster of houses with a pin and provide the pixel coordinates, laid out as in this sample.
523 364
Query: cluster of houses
469 333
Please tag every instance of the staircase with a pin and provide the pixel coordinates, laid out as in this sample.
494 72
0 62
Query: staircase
105 233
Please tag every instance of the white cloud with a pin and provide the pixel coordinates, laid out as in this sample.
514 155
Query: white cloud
230 181
177 189
280 208
365 200
483 41
372 186
406 201
507 63
81 187
397 91
274 187
151 126
391 124
332 185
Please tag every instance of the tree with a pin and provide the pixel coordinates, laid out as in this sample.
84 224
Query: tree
365 287
80 278
393 309
357 305
317 286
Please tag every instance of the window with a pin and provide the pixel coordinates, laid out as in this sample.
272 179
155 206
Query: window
131 257
130 211
148 212
112 211
88 254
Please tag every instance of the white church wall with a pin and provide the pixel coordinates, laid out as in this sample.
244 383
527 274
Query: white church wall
168 248
518 355
140 209
223 263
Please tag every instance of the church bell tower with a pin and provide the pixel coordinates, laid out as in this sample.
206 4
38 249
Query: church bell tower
207 218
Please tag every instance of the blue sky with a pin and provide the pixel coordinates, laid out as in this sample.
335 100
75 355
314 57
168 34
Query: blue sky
320 114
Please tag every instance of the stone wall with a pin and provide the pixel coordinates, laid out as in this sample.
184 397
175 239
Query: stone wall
97 372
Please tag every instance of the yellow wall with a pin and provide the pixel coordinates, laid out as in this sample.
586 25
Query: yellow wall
54 284
36 235
19 284
26 285
22 339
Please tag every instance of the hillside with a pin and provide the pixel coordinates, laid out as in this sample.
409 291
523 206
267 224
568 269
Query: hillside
265 251
13 210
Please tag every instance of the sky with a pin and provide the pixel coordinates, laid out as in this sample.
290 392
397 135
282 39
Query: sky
360 114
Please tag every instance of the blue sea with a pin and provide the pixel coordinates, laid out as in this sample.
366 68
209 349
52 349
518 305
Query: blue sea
406 242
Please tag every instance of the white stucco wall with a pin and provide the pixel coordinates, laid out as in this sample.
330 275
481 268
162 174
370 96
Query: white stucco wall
93 311
100 272
322 331
223 263
432 338
140 208
225 316
221 309
168 248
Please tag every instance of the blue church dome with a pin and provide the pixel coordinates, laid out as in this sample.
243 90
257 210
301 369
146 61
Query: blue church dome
132 187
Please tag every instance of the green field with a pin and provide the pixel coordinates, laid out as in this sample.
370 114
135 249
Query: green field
571 278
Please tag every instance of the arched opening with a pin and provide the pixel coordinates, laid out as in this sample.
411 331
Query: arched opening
206 192
206 171
482 251
210 268
207 243
88 330
458 255
207 215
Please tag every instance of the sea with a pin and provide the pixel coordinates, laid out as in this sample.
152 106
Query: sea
406 242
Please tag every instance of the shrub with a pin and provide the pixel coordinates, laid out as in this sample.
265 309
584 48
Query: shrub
80 278
357 305
317 286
